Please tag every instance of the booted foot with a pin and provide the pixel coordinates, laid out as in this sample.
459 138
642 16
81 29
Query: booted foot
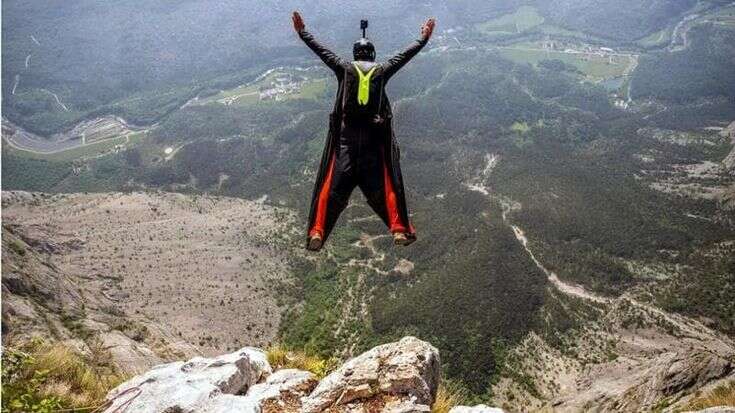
400 238
315 243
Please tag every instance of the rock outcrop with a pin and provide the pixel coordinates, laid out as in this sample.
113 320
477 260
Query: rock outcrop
192 386
671 376
283 390
400 377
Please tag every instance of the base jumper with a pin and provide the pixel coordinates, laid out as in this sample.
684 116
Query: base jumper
361 149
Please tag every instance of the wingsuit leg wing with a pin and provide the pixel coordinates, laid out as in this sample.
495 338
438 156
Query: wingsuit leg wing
332 191
378 183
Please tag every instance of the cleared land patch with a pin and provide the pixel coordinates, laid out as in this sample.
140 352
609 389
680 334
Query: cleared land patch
594 64
276 86
89 150
724 16
656 39
526 17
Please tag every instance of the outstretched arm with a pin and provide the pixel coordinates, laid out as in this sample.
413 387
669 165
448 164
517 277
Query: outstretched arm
398 61
329 58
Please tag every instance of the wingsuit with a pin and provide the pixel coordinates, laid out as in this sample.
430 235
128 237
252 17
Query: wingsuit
361 148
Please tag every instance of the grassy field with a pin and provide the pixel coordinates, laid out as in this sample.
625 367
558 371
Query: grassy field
312 90
249 94
593 66
553 30
526 17
656 39
81 152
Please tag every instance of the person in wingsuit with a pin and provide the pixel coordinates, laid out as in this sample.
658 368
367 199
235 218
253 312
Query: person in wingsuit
360 149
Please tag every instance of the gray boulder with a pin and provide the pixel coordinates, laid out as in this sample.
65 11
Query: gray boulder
397 376
283 390
191 386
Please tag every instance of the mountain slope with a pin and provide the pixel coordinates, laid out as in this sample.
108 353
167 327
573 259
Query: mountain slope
188 269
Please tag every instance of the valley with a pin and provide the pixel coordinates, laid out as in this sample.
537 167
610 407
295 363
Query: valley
593 58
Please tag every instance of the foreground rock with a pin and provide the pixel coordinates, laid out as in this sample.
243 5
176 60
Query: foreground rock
396 377
192 386
402 376
283 390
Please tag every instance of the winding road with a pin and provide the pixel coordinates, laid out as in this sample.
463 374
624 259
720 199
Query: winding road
21 139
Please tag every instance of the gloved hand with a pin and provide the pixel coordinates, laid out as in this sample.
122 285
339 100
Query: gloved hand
427 29
298 22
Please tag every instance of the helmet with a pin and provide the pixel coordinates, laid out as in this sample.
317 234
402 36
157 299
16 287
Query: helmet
363 49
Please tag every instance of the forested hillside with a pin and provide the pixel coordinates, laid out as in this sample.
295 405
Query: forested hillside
702 70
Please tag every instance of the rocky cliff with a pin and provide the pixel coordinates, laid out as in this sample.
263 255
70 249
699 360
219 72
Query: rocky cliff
400 377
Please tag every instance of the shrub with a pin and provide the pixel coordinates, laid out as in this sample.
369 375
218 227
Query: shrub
39 377
280 357
722 395
17 247
448 396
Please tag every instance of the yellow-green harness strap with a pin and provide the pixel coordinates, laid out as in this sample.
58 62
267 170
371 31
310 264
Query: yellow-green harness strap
363 90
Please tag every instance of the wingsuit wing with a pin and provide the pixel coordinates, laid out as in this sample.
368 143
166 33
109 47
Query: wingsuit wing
329 58
335 63
395 63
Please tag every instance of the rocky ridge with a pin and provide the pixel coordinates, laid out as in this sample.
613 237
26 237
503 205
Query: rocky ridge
396 377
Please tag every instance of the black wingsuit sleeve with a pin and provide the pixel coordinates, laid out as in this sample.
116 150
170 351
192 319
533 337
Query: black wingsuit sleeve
398 61
328 57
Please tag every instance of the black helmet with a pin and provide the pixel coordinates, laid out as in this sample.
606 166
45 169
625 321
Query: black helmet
363 49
